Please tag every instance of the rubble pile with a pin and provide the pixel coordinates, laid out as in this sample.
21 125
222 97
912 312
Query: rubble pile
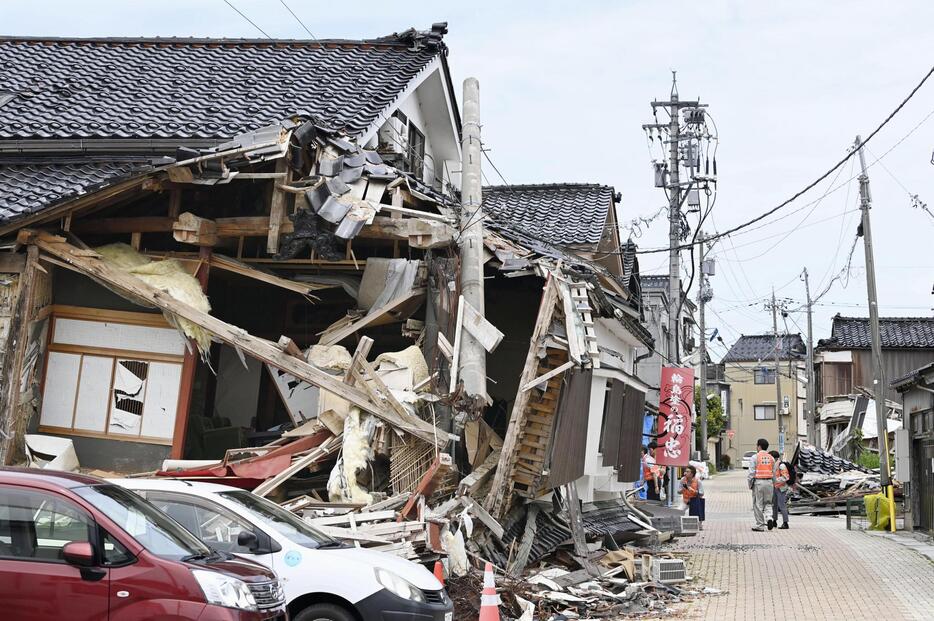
826 481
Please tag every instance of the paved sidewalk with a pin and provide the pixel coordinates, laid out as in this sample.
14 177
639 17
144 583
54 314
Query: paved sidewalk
815 570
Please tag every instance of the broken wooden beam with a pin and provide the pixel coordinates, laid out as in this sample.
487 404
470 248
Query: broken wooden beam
229 264
547 376
427 485
191 229
122 226
389 312
477 325
360 353
277 207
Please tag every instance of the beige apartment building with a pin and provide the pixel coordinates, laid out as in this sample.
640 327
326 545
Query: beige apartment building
749 367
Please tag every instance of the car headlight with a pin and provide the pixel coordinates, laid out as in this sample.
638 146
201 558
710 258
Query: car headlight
224 590
399 586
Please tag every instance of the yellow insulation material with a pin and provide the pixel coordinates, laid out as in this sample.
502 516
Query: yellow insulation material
402 369
169 276
355 454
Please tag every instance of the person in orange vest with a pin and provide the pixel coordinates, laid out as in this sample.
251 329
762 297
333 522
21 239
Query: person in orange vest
781 488
692 492
760 482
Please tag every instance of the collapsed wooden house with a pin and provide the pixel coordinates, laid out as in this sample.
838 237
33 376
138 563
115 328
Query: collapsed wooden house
256 249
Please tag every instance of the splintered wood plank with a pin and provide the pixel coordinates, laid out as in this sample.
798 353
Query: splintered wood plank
277 208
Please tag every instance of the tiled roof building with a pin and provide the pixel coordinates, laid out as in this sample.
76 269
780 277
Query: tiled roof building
895 333
757 347
77 114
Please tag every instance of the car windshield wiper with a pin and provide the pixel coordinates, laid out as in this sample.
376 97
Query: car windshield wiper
331 544
199 556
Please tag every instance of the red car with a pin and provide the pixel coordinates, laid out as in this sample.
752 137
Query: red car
75 547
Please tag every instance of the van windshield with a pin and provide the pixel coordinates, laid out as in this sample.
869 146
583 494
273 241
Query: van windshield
150 527
279 519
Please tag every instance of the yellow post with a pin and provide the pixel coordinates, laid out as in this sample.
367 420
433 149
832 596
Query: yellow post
890 488
891 496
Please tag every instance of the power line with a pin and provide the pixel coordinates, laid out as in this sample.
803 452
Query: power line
502 178
811 185
298 19
227 2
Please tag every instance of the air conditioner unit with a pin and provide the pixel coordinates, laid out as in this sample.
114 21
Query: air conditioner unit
669 570
690 525
665 523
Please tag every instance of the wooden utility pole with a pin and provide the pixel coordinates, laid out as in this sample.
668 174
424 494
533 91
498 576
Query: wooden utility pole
878 380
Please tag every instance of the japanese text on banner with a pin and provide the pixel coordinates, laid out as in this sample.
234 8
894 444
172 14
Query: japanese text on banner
676 400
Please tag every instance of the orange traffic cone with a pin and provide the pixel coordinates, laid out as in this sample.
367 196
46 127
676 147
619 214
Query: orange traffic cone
439 572
489 600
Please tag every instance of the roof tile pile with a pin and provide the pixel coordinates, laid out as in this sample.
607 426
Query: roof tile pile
817 461
896 332
558 213
199 88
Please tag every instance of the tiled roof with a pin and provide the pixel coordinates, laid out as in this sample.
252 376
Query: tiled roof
200 88
27 188
559 213
895 332
758 347
654 281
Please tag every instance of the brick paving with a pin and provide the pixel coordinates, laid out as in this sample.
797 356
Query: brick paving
815 570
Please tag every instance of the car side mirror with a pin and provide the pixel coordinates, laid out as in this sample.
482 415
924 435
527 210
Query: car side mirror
79 553
247 539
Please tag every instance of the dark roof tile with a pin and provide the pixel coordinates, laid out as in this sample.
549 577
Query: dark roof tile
558 213
28 188
895 332
758 347
200 88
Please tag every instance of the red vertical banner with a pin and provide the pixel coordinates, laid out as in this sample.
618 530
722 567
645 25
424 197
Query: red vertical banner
676 401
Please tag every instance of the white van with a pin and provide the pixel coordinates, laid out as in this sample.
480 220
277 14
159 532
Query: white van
323 579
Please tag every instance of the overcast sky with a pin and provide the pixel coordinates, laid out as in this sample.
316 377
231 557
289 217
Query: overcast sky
564 92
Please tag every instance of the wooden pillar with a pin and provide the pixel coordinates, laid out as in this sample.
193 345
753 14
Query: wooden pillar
12 371
189 367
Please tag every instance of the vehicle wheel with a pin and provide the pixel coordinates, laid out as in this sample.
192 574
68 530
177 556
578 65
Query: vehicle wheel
324 612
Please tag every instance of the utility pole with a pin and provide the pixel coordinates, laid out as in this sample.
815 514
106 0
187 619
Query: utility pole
472 359
813 427
703 296
778 375
878 380
670 178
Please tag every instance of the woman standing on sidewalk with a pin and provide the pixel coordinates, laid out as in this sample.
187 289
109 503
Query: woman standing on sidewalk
781 482
692 492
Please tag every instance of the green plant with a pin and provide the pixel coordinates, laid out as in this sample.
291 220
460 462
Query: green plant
716 419
856 446
868 460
